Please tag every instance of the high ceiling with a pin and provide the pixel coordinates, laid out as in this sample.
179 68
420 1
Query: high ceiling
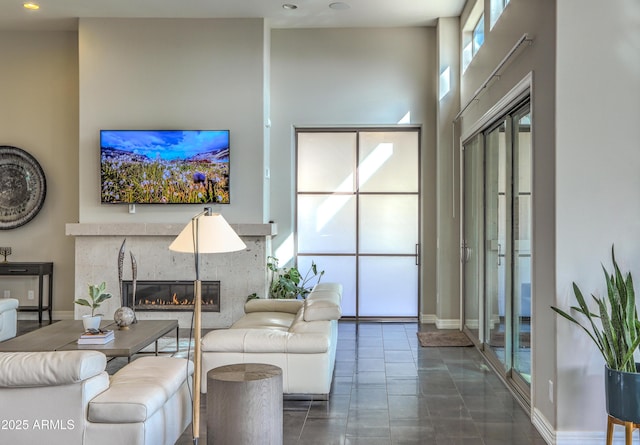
63 14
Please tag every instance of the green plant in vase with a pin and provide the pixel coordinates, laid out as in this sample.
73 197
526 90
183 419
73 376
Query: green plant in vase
615 330
97 296
289 282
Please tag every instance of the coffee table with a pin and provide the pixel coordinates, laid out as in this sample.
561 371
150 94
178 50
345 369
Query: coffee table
63 336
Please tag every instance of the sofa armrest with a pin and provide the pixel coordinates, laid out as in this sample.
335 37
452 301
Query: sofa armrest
8 304
265 341
139 389
290 306
34 369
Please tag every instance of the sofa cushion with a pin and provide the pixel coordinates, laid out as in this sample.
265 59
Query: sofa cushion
323 303
331 287
265 341
27 369
272 305
139 389
315 310
265 320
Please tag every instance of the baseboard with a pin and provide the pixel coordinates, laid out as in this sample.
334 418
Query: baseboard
472 324
587 437
57 315
543 426
453 323
428 318
441 323
574 437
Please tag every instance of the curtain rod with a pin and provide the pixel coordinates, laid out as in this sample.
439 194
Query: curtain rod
521 40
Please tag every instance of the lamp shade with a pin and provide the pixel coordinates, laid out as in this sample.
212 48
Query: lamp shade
215 235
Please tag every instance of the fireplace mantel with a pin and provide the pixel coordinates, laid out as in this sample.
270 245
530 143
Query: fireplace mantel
240 273
157 229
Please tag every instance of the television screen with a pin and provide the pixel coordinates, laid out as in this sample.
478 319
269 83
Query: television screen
164 166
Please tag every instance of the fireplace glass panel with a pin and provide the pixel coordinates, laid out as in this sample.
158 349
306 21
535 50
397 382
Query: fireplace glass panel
171 295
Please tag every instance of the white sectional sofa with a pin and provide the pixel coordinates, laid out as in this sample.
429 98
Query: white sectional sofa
8 318
67 398
299 336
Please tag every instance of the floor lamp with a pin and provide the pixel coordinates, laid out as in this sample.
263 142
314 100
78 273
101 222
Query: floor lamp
207 232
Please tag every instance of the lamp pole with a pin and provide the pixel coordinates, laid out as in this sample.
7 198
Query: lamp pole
211 234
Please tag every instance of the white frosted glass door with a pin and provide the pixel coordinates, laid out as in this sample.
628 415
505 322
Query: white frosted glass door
387 162
322 220
326 162
357 215
388 287
388 224
339 269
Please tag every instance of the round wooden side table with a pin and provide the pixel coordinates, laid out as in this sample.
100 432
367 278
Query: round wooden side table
244 405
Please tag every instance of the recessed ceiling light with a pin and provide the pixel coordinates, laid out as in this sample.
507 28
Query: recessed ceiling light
339 5
31 6
290 6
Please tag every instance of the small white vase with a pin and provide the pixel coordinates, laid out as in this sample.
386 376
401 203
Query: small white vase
90 322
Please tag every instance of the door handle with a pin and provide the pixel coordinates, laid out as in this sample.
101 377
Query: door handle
417 254
465 253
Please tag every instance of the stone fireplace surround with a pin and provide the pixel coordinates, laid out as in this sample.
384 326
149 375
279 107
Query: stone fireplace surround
240 273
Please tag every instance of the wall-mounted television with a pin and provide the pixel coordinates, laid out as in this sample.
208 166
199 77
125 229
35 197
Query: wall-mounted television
164 166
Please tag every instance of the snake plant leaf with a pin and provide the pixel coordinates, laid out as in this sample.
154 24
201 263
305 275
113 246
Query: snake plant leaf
614 328
570 318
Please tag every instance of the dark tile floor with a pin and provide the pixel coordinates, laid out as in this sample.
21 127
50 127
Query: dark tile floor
389 390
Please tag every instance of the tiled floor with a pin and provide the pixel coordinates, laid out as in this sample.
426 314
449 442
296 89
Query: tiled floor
389 390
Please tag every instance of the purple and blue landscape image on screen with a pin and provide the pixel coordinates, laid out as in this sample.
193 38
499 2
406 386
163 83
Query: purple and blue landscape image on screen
164 166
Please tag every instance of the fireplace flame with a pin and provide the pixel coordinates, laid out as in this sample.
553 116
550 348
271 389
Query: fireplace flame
173 302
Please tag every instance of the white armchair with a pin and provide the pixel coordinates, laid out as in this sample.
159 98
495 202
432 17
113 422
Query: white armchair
8 318
66 397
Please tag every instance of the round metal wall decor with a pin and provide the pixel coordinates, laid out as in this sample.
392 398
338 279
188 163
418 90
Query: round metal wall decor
22 187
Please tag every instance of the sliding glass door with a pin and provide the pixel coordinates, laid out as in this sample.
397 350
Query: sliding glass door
522 235
497 228
472 248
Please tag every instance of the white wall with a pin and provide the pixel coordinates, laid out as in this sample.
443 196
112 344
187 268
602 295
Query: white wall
597 181
353 77
39 114
448 260
173 74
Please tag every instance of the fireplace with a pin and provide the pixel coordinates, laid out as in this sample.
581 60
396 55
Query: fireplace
170 295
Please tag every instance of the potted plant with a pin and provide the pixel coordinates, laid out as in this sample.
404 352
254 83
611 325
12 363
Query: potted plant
615 329
289 282
97 296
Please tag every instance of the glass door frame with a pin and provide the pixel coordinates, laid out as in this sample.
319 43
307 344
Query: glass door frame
492 356
464 152
513 104
520 384
358 254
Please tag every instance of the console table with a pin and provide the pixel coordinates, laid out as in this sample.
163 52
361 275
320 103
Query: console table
33 269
